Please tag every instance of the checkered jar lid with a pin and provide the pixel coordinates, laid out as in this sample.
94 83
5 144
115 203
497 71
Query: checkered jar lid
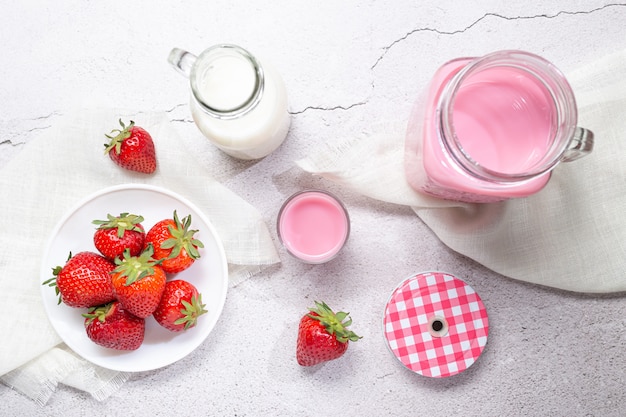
435 324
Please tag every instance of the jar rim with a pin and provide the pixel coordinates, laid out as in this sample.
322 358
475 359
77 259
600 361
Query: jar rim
244 107
313 258
552 79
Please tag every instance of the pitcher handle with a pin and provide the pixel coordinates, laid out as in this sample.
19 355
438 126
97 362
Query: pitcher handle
580 145
182 61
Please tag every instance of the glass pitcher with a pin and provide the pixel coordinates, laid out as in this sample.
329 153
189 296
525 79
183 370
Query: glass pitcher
237 102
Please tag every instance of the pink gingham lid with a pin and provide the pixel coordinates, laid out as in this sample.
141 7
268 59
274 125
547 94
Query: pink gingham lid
435 324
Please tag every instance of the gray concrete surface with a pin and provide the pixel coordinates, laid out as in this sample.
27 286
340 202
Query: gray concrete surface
347 66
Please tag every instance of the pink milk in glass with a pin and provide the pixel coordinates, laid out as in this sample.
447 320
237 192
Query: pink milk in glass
313 226
494 128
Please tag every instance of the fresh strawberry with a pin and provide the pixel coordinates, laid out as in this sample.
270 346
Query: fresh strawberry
84 280
174 244
114 327
138 282
180 306
116 234
132 148
323 335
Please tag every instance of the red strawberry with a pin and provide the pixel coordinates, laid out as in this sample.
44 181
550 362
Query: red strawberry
84 280
323 336
180 306
113 327
138 283
116 234
174 244
132 148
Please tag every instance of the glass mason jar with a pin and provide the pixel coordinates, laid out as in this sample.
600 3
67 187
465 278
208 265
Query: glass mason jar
237 102
493 128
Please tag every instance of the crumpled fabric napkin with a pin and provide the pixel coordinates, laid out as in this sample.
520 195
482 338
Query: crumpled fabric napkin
571 235
45 180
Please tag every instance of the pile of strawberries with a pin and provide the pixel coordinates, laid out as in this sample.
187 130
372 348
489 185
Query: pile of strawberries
127 281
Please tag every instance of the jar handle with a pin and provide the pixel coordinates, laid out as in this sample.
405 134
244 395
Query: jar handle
580 145
182 61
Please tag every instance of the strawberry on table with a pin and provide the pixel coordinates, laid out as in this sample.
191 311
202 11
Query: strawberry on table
114 327
132 148
118 233
323 335
84 280
174 244
138 282
180 306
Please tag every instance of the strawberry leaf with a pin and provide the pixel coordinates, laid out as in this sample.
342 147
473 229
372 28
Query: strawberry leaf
134 268
182 238
334 323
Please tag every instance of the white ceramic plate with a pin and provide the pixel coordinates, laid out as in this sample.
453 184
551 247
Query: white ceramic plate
209 274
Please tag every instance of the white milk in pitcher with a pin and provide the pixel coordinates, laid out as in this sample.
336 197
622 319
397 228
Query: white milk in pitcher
239 103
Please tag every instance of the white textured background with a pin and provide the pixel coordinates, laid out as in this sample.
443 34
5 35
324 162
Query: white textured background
350 68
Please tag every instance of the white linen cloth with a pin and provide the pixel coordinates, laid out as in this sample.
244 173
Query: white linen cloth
45 180
571 235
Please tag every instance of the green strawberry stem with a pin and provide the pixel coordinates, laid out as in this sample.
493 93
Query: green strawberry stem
182 238
334 323
192 311
135 268
98 312
122 223
120 136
